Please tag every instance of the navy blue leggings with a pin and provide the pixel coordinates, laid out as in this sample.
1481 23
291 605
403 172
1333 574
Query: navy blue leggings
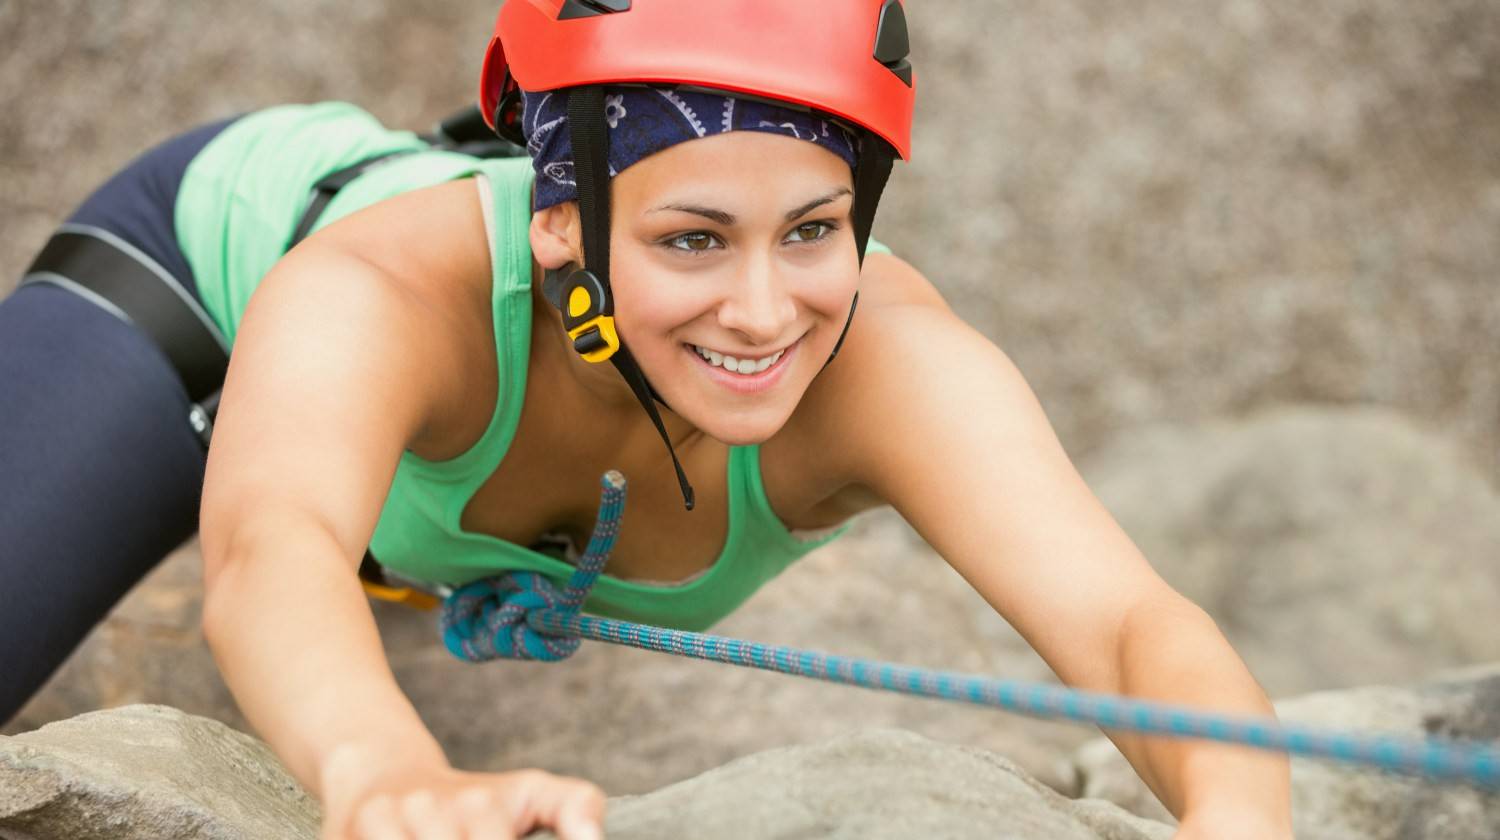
100 473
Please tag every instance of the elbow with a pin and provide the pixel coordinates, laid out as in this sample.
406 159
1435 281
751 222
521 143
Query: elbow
217 548
219 571
228 553
1158 622
249 566
1161 611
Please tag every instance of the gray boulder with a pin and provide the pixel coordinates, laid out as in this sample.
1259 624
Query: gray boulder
1337 802
874 784
147 772
153 772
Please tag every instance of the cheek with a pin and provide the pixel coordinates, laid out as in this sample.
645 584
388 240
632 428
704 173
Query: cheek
828 289
652 303
647 311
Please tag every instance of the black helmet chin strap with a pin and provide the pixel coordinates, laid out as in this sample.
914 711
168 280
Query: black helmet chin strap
871 171
587 306
583 295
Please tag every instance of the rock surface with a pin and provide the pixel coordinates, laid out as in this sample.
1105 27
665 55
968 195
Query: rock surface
152 772
873 784
1334 546
1333 802
147 772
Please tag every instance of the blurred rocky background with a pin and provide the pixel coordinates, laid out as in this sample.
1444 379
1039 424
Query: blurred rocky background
1161 209
1245 252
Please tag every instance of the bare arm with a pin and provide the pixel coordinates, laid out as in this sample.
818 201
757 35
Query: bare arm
301 459
336 370
352 351
964 451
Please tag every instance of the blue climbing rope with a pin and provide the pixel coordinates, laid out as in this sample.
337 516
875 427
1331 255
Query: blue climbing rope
522 615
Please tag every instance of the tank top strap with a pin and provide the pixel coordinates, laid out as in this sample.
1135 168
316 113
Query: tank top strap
507 186
754 526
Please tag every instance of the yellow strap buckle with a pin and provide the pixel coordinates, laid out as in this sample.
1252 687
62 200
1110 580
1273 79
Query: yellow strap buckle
592 331
401 595
596 339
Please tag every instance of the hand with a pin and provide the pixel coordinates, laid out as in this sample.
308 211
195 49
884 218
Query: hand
438 802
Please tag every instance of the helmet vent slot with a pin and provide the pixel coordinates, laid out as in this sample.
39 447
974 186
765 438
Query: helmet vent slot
591 8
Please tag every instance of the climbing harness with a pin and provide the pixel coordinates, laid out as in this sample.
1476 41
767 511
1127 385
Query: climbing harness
114 275
109 272
118 277
522 615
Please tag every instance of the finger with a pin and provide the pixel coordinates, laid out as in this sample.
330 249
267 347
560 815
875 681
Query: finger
482 815
574 807
572 827
376 819
426 818
580 813
489 827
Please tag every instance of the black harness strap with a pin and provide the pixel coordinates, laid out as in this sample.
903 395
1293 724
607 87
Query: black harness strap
462 133
126 282
323 192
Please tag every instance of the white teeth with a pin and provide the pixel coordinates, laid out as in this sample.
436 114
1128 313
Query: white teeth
734 365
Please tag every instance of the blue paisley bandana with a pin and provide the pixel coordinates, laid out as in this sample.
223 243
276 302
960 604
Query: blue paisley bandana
643 121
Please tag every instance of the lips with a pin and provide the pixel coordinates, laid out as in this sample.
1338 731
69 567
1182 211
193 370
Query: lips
733 364
757 380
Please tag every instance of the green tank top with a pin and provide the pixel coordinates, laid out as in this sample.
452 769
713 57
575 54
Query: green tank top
240 199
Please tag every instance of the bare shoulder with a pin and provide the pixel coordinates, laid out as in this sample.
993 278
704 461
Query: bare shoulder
431 240
432 244
887 280
808 467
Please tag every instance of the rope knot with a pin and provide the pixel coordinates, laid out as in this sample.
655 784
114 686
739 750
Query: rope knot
492 618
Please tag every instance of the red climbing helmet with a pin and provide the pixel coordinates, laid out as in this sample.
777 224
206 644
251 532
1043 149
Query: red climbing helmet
847 58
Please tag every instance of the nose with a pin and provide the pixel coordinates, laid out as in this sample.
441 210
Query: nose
759 307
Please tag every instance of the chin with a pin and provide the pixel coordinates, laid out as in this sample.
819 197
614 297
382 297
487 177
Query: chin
739 422
739 428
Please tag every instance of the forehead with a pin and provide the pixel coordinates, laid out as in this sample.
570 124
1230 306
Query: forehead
748 167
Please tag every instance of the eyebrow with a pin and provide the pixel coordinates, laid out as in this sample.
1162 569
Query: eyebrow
728 219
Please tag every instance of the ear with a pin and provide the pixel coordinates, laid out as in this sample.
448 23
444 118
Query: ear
556 235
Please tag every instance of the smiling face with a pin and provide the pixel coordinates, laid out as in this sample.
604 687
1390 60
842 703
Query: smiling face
739 247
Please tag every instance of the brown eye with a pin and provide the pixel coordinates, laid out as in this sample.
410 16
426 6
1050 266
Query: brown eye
696 242
811 232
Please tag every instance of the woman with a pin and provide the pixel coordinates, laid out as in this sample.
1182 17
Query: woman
422 376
